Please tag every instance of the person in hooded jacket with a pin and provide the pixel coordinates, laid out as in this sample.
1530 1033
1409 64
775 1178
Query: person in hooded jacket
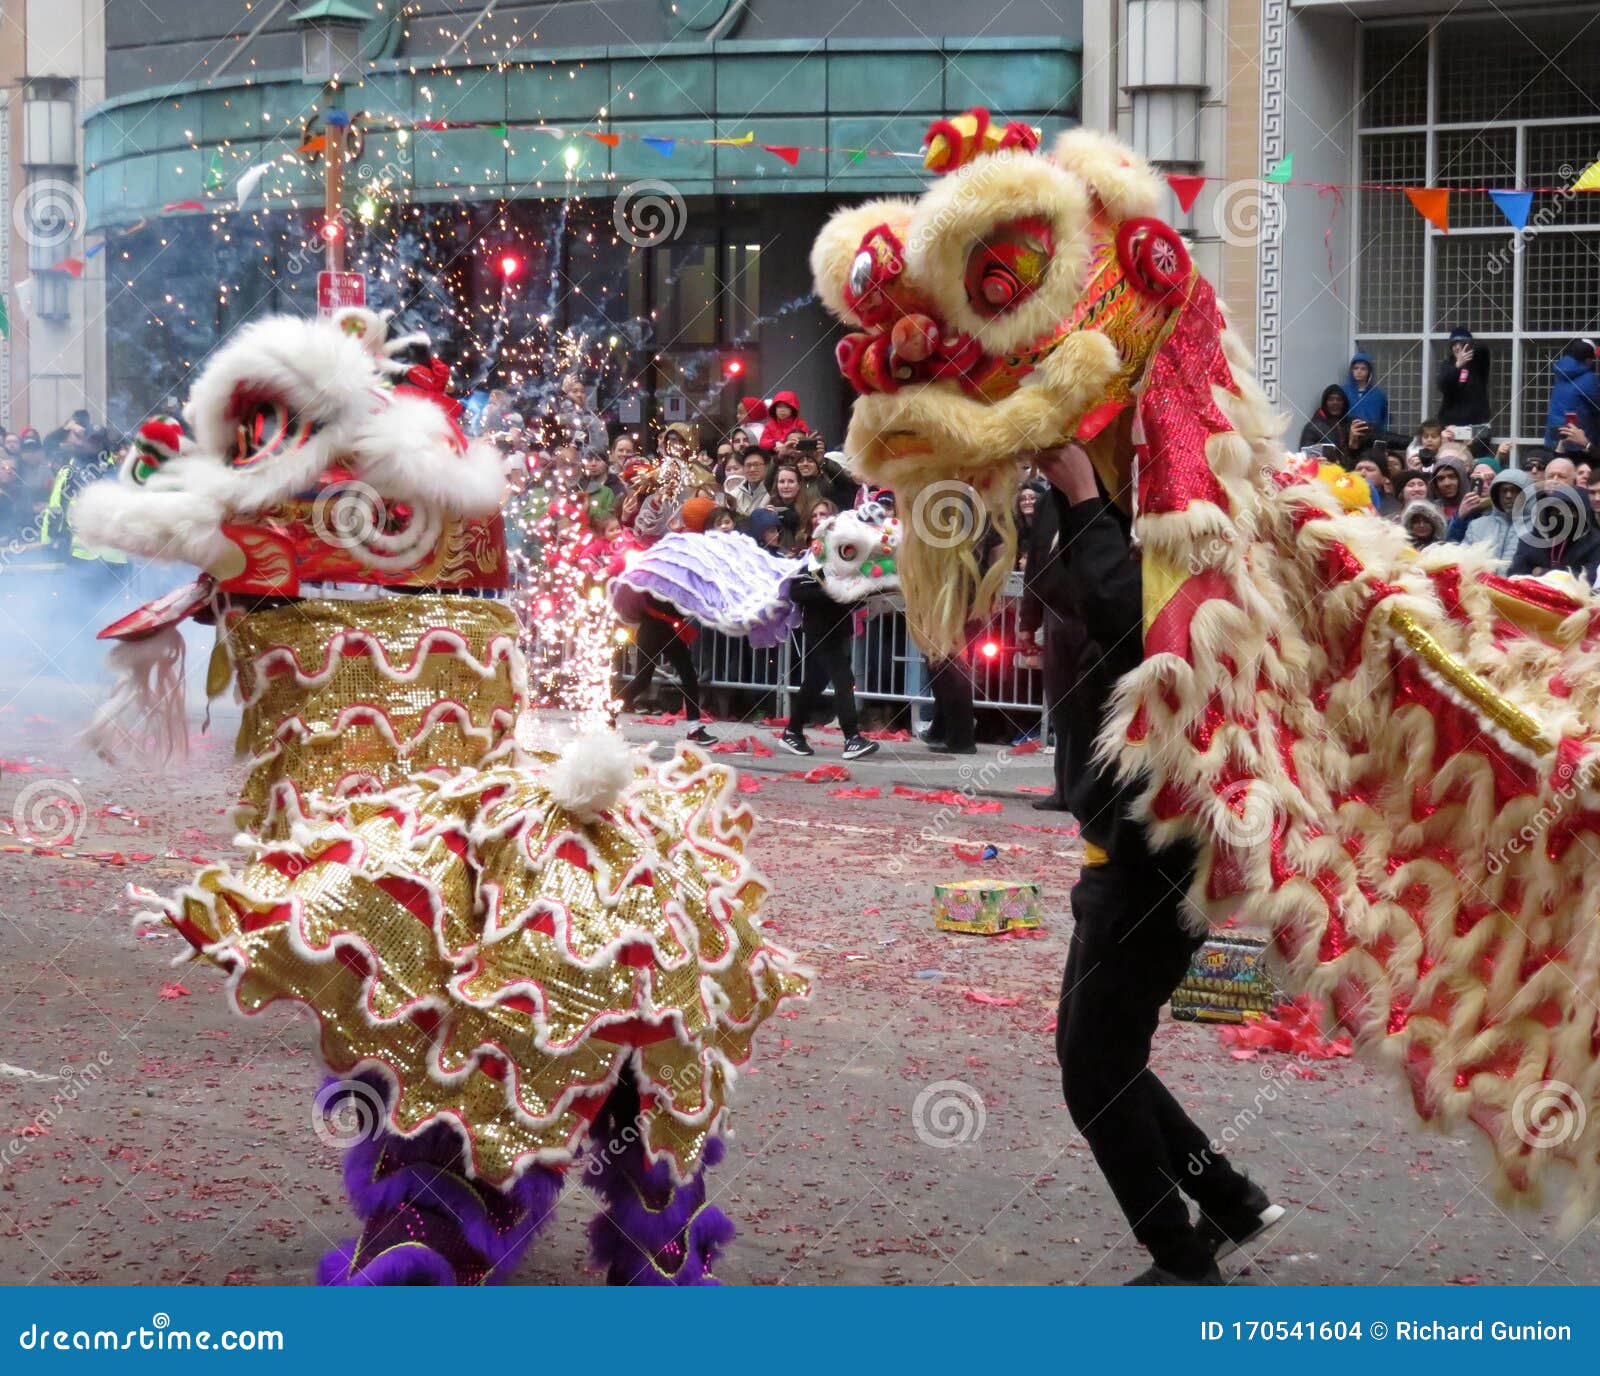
783 420
1424 523
1332 423
1563 535
1368 401
1494 528
1448 485
1576 392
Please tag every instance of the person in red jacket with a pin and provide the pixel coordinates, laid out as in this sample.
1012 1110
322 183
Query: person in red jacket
783 419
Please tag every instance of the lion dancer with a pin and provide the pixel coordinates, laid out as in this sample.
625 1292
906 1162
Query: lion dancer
1130 945
515 962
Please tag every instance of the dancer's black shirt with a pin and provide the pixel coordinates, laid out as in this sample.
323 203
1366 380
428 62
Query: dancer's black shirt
1104 589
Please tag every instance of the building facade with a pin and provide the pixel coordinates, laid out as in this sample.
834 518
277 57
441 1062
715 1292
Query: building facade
545 137
516 132
52 353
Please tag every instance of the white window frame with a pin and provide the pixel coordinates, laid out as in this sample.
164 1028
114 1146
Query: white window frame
1511 344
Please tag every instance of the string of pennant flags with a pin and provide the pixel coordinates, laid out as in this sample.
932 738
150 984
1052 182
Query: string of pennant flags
1431 202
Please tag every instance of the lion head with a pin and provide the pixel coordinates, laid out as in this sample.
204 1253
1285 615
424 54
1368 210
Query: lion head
1009 308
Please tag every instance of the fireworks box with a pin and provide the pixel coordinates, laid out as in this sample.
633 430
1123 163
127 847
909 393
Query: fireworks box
1227 982
985 906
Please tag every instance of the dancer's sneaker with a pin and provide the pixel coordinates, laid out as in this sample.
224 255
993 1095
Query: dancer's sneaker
856 747
1225 1234
795 743
1158 1275
1050 805
700 736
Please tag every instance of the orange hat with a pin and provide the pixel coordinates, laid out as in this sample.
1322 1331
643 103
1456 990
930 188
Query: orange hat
697 513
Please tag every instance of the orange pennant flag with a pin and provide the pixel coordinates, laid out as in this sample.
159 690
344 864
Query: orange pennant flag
1433 204
315 145
610 140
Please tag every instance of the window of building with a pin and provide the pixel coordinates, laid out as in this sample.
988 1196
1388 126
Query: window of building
1476 102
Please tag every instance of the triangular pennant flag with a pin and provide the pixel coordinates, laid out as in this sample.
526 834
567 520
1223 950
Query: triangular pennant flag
743 141
249 179
215 174
1514 205
317 144
1590 180
172 206
504 130
610 140
789 155
858 155
94 249
1433 204
1282 170
1185 188
73 267
662 146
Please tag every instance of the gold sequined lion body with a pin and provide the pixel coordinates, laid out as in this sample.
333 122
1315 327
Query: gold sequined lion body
515 961
1385 757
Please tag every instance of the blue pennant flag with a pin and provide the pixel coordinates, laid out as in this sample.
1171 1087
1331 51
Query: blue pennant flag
662 146
1514 205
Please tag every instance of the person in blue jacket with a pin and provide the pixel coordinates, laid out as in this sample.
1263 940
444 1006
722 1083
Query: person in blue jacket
1368 401
1576 392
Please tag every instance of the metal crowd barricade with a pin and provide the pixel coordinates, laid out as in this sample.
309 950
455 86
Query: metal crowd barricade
889 666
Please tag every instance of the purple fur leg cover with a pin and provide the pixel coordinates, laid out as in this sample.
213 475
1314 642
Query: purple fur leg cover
424 1222
650 1231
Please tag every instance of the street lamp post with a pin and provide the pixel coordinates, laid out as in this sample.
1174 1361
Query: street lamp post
330 38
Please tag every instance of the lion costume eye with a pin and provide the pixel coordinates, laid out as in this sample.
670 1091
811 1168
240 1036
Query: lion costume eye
1009 266
861 273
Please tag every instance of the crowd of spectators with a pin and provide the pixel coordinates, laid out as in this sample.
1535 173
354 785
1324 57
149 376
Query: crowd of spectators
39 475
1533 512
771 477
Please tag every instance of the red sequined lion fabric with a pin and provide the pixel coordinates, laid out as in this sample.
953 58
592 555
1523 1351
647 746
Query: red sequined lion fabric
1385 756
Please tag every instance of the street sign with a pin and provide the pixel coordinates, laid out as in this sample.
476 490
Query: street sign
336 290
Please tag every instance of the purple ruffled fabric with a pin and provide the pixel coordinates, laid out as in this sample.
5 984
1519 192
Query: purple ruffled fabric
721 579
650 1232
424 1222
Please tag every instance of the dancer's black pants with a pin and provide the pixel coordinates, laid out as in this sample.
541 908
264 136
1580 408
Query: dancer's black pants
950 682
828 661
1128 953
655 639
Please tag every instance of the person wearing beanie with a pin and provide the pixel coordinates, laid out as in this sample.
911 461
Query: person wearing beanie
1463 381
696 514
765 527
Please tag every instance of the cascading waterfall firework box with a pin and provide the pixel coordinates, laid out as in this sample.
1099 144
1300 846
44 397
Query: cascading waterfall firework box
1227 982
985 907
